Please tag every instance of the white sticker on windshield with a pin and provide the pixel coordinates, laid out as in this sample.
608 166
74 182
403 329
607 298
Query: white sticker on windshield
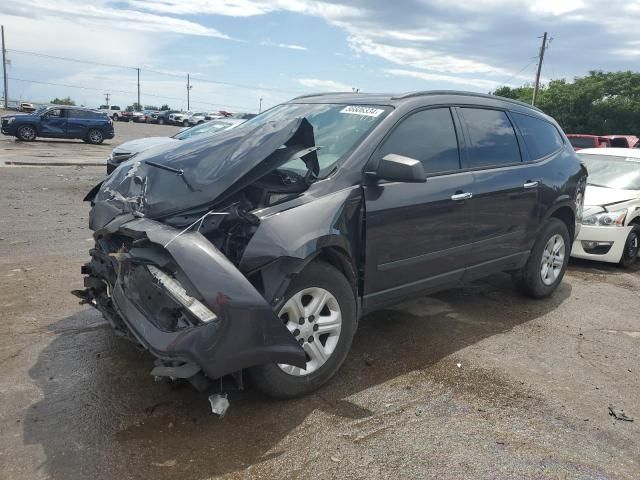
364 111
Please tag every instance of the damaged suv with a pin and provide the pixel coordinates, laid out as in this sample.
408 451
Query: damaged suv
258 249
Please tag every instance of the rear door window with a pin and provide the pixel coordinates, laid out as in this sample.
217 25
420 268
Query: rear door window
428 136
541 137
493 141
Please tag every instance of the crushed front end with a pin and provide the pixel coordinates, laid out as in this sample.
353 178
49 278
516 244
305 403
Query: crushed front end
178 296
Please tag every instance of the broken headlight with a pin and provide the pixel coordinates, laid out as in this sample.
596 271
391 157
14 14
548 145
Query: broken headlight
179 294
614 218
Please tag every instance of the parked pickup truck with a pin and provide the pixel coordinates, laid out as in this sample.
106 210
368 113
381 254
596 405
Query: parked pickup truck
58 121
113 111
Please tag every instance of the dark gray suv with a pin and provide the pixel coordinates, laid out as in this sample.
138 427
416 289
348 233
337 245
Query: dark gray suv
259 249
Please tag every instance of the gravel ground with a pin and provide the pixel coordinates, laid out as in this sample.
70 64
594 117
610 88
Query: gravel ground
476 382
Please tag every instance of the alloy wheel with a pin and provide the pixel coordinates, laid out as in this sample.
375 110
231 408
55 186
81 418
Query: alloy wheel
95 136
633 245
313 316
552 259
27 133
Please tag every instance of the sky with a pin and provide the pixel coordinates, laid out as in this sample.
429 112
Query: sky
238 52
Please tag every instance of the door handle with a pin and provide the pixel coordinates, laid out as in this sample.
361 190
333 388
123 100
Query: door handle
461 196
530 185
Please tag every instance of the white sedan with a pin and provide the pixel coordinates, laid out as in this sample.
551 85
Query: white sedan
611 218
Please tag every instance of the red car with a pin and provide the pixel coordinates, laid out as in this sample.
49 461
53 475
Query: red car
579 141
624 141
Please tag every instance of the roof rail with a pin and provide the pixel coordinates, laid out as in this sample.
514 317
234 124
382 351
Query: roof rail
323 94
460 92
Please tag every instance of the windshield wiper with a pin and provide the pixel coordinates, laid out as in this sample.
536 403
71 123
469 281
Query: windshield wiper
177 171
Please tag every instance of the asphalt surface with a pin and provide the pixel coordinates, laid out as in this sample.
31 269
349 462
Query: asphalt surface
475 382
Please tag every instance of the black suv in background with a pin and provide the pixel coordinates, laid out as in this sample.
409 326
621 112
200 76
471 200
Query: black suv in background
57 121
259 248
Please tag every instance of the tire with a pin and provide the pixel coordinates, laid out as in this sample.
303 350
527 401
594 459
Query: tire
534 279
26 133
285 381
631 248
200 122
160 121
115 118
95 136
185 123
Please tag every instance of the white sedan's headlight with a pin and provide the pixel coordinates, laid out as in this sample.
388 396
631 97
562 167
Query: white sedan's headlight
614 218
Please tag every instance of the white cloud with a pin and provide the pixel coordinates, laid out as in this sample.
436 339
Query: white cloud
269 43
96 13
476 83
325 85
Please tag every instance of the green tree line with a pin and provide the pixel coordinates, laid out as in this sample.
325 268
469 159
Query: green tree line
601 103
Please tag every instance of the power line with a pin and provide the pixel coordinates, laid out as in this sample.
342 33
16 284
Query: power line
519 71
127 92
158 72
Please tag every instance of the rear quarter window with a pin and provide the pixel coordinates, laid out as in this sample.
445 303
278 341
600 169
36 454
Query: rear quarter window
493 141
540 137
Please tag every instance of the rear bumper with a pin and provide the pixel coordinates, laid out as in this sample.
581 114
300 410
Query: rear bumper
246 331
612 240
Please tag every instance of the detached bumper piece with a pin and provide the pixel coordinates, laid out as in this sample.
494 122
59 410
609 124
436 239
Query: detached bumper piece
184 301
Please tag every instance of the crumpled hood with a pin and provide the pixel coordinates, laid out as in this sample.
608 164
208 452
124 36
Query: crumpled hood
197 172
601 196
135 146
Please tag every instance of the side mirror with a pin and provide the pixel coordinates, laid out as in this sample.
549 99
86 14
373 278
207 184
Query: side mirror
398 168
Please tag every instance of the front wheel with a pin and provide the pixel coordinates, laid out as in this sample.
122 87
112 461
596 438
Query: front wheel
631 248
547 261
161 121
26 133
319 310
95 137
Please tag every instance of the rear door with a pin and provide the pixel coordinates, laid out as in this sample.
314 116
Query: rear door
53 123
79 121
418 235
505 193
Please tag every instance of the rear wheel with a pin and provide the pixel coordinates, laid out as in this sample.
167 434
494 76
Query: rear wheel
115 118
185 123
631 248
95 136
547 261
160 121
26 133
319 309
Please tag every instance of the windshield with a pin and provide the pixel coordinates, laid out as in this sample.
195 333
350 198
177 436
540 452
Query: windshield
337 128
208 127
612 172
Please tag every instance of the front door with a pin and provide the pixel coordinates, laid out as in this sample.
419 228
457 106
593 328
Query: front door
418 235
53 123
505 194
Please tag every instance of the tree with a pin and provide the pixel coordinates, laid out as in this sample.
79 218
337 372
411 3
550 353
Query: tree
164 107
150 107
62 101
134 107
600 103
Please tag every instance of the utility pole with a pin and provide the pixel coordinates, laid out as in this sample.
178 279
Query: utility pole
260 108
543 47
106 97
189 86
4 71
139 88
